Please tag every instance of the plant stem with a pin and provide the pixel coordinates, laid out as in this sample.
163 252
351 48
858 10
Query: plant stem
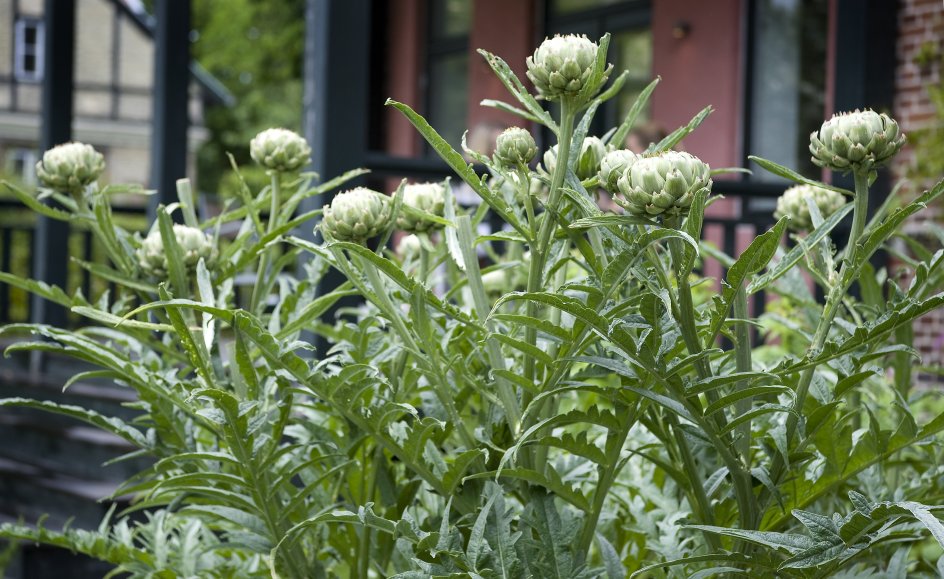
833 303
258 290
742 354
539 249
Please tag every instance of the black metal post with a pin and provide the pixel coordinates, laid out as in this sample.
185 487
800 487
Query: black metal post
170 106
51 237
337 60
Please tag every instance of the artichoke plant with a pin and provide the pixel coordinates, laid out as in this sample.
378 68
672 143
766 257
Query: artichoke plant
357 215
70 167
860 140
427 197
280 150
662 184
515 146
193 243
612 167
561 66
793 202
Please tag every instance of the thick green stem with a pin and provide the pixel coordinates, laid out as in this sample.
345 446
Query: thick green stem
539 249
258 291
833 302
742 356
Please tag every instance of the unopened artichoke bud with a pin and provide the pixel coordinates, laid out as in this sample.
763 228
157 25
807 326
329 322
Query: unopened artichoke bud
280 150
664 183
562 65
793 203
193 243
613 166
357 215
515 146
409 246
592 151
427 197
860 140
591 154
70 167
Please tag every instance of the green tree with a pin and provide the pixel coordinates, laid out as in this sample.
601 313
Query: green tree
254 47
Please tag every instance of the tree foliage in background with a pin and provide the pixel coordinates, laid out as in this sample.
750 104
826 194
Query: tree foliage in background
254 47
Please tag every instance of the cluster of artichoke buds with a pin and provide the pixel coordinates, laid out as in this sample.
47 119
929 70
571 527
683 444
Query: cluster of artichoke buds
857 141
193 243
665 183
592 151
280 150
561 66
426 197
794 203
70 168
357 215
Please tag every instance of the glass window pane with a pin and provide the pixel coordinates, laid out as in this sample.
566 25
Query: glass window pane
451 18
29 34
633 53
789 81
448 85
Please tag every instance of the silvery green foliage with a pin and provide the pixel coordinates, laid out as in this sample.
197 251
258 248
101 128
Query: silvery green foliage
858 140
515 146
567 396
794 203
561 66
426 197
612 167
663 183
280 150
357 215
70 167
194 245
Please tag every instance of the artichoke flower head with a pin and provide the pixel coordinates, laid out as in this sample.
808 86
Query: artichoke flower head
357 215
664 183
860 140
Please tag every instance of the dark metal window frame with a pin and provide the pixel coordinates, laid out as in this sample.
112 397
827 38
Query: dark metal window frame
436 47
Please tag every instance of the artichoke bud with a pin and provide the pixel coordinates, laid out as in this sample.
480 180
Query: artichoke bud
280 150
70 167
193 244
860 140
591 154
562 66
793 203
409 246
612 167
427 197
663 183
515 145
356 215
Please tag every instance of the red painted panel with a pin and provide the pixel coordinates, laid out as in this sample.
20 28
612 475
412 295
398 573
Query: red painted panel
702 68
403 63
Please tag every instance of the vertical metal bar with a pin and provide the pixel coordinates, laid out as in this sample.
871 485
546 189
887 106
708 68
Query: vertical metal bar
6 252
50 241
170 99
336 67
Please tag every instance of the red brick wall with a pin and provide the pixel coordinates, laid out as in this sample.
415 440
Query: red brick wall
920 26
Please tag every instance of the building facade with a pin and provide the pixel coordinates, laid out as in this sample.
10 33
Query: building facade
114 72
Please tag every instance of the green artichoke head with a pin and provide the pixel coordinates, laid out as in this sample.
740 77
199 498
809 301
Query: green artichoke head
856 141
515 146
665 183
561 66
356 215
70 167
794 203
426 197
612 167
193 243
280 150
